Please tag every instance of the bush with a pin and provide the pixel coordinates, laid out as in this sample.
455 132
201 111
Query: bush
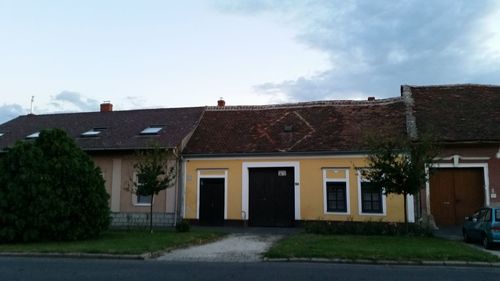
51 190
182 226
366 228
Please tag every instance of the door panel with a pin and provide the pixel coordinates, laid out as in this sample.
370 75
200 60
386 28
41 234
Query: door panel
271 196
211 201
455 193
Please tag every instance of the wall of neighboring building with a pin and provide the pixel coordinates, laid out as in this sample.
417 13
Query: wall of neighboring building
312 174
118 172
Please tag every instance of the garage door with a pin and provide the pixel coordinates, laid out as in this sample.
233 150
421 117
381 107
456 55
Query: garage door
455 193
271 196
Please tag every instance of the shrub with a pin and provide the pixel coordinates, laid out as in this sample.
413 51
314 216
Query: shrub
366 228
51 190
182 226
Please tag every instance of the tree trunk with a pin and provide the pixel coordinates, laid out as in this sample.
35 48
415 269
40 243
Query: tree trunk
151 214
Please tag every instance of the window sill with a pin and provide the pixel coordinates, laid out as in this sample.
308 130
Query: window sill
142 205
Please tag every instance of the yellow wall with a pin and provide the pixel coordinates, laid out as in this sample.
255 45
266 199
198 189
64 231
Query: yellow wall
311 187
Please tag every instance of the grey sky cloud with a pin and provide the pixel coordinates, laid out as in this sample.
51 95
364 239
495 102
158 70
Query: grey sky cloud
77 100
375 46
10 111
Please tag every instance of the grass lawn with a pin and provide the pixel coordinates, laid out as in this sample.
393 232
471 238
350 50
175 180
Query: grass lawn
304 245
119 242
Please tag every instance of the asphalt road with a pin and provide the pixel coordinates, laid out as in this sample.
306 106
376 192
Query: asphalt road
46 269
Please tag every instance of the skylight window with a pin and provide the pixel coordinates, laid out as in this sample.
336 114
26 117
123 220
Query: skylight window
1 134
151 130
33 136
92 133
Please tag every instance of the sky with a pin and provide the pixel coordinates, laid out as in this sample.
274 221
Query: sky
73 55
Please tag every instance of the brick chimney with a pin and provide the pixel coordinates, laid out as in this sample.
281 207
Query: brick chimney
371 98
106 106
221 102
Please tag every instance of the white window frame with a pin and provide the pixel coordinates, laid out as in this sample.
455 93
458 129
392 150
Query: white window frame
135 197
345 180
360 199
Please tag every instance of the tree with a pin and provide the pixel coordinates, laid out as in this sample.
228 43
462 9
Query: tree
399 165
153 175
51 190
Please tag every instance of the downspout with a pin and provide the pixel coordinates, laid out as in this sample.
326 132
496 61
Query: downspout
178 185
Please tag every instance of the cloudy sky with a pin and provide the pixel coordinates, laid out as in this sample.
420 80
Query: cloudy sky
72 55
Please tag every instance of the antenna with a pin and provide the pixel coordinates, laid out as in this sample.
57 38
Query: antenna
31 106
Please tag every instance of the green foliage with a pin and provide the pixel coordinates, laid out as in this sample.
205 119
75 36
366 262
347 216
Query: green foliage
51 190
153 175
399 165
365 228
183 226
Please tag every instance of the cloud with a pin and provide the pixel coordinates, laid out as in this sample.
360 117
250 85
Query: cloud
375 46
10 111
68 100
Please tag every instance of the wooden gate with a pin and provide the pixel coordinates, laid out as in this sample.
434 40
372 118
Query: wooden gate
271 196
455 193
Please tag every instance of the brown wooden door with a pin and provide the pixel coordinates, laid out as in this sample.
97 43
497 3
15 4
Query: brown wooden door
455 193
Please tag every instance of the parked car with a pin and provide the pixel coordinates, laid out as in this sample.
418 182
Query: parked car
483 226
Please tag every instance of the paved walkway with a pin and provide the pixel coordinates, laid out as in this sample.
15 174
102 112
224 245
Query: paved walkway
236 247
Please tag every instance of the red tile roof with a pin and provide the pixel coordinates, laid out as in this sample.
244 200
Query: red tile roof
458 113
328 126
121 128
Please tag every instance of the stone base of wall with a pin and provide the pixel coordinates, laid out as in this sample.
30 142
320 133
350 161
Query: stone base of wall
141 220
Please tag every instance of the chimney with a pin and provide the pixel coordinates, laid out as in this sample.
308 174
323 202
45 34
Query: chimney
106 106
371 98
221 102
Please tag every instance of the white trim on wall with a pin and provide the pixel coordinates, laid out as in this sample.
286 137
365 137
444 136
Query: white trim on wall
360 203
347 188
458 166
198 181
245 183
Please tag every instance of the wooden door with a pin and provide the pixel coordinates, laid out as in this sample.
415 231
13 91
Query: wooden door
455 193
271 197
211 201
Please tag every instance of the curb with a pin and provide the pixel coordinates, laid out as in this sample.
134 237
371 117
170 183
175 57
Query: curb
386 262
79 255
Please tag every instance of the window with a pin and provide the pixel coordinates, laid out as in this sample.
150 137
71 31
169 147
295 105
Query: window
143 199
336 197
497 215
33 136
152 130
1 134
92 133
336 191
140 200
371 198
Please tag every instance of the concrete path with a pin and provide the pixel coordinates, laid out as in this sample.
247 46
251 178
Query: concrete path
236 247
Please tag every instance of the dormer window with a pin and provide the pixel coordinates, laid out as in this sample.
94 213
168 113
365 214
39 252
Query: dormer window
92 133
152 130
33 136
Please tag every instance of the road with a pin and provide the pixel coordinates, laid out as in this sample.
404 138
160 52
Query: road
47 269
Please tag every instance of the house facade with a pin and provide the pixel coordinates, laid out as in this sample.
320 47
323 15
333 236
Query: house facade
465 120
284 164
112 139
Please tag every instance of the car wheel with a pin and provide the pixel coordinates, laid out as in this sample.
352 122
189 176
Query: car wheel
466 237
486 242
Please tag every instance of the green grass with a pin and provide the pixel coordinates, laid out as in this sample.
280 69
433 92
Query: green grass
304 245
119 242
